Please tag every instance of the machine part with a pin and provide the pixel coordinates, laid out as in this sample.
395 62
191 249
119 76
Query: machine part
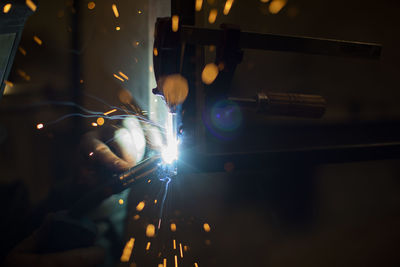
285 104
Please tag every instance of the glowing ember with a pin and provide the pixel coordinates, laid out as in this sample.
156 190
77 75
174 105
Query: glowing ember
140 206
155 201
119 78
174 244
196 265
126 254
212 17
123 75
148 246
40 126
207 227
276 6
199 4
91 5
31 5
150 230
180 249
7 7
228 6
210 73
100 121
175 23
117 28
109 112
165 262
173 227
139 12
176 261
115 10
121 201
155 52
37 40
91 154
136 217
94 124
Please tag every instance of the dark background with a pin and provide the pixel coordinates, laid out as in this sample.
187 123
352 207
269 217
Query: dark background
291 215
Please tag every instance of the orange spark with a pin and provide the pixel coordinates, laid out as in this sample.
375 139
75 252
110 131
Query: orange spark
148 246
155 52
228 5
23 51
212 17
173 227
136 217
175 23
37 40
185 248
139 12
119 78
117 28
126 254
121 201
176 261
155 201
100 121
174 243
94 124
9 83
123 75
31 5
150 230
115 10
196 265
140 206
91 5
207 227
7 7
199 4
40 126
91 154
276 6
210 73
180 249
165 262
109 112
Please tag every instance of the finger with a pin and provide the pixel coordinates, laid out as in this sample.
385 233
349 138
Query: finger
124 146
135 129
154 137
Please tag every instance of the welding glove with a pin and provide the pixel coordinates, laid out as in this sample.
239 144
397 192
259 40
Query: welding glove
118 148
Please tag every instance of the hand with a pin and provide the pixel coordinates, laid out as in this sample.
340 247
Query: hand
117 148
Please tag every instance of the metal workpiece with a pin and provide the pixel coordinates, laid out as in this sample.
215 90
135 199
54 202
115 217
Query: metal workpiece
285 104
143 170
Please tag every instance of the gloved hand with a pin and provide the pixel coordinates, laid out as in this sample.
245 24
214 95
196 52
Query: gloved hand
117 148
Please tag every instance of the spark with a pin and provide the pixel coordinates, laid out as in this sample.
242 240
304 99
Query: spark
228 6
150 230
40 126
100 121
109 112
31 5
7 8
91 5
126 254
155 201
176 261
212 17
123 75
180 249
94 124
207 227
117 28
148 246
175 23
199 4
121 201
136 217
23 74
185 248
165 262
210 73
37 40
174 243
81 81
119 78
160 265
148 181
276 6
139 12
140 206
9 83
173 227
155 51
91 154
196 265
115 10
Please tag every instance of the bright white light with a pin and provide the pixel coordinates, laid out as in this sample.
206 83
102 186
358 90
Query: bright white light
170 152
